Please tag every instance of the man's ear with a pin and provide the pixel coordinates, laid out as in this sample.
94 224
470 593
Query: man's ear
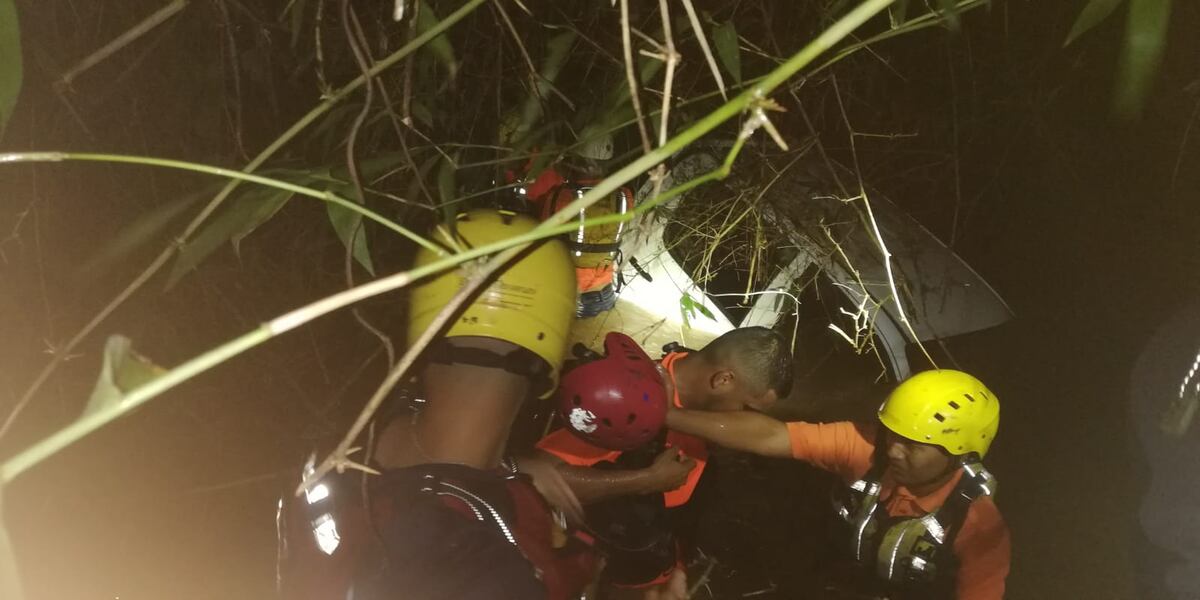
721 380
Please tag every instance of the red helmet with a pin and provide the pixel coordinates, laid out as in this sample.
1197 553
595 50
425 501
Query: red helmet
617 402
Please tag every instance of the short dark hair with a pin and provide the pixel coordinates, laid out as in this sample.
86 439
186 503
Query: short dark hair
760 355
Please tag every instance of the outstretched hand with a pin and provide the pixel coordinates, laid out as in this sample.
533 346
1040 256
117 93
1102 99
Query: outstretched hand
550 483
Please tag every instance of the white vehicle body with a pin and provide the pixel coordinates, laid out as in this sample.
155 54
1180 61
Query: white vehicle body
941 296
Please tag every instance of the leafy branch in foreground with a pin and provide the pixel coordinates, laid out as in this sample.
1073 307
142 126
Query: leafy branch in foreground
161 260
507 249
323 195
1141 53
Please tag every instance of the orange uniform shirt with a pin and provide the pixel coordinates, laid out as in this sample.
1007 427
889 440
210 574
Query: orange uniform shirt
574 451
983 546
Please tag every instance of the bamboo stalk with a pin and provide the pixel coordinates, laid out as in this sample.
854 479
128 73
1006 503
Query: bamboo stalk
157 18
323 195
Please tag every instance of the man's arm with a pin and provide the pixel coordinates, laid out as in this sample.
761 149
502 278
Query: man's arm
747 431
669 471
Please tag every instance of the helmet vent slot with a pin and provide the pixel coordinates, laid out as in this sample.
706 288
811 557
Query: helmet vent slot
631 418
576 400
954 405
607 423
939 417
968 397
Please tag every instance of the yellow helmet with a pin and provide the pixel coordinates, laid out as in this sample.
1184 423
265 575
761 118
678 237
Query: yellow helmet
530 304
944 407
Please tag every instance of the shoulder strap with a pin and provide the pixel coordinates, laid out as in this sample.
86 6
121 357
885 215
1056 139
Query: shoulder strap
976 482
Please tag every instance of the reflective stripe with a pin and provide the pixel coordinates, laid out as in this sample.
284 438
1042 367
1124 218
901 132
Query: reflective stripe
478 515
894 552
281 547
326 533
494 513
318 493
918 563
969 467
860 529
934 527
980 475
1190 374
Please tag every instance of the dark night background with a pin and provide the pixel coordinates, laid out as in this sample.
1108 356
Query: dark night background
1086 225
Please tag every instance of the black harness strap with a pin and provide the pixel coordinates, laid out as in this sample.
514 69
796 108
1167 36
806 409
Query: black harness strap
953 512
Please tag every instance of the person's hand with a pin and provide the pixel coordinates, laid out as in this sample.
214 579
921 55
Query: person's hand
674 588
670 470
551 484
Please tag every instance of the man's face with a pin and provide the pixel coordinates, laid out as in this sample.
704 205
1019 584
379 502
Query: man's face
761 402
915 463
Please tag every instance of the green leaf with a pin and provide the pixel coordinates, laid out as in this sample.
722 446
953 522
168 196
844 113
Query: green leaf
239 219
369 169
415 187
517 129
687 308
296 8
123 371
348 224
950 13
421 113
898 13
148 227
1092 15
547 156
447 187
330 131
725 41
1145 38
10 61
439 46
607 115
266 208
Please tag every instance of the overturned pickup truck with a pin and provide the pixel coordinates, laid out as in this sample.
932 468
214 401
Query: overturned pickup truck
781 243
